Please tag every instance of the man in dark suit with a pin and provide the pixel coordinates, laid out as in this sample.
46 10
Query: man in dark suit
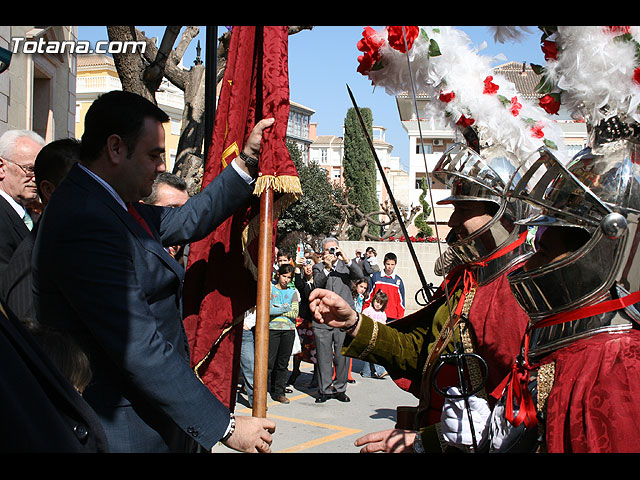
18 150
50 167
334 273
40 411
102 275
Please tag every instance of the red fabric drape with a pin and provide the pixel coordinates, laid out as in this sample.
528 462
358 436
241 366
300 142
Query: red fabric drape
220 281
591 408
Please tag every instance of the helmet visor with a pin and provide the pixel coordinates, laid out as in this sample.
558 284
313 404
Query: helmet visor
561 197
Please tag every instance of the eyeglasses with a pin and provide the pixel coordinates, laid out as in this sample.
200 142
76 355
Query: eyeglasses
28 170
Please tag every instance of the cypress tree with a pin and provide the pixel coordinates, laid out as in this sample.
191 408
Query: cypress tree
360 167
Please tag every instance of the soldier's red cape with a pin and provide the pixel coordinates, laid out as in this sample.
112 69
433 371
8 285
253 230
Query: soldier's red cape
221 276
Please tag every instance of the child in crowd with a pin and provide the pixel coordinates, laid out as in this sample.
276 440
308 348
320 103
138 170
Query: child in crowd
375 311
359 290
391 283
65 353
283 311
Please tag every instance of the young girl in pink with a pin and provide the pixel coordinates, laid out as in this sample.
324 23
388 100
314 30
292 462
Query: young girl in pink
375 311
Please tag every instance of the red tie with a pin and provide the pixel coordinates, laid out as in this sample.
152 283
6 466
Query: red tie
134 213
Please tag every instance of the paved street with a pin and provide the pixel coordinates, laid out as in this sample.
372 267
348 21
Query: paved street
304 426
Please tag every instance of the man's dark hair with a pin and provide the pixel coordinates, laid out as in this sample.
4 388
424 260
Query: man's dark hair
120 113
390 256
54 161
166 178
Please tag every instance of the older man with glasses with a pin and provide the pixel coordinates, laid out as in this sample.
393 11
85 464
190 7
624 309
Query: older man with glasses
18 150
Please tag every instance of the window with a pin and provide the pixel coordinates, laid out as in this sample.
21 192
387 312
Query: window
420 180
324 155
428 148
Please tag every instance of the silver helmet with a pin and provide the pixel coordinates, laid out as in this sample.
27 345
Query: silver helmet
598 193
473 176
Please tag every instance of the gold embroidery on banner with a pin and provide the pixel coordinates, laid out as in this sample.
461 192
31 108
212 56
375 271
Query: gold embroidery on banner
230 150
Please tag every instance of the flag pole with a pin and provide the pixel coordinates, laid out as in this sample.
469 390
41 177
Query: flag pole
265 268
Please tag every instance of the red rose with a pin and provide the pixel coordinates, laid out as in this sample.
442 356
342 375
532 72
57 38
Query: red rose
369 44
395 37
371 41
489 87
515 106
618 30
465 122
447 97
550 104
636 75
536 130
550 50
365 64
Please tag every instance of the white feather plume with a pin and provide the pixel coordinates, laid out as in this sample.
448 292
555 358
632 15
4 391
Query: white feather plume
461 70
594 70
503 34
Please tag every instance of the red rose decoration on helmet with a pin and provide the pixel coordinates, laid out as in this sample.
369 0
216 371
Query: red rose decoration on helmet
515 107
447 97
395 37
370 45
550 50
489 87
536 130
465 122
550 104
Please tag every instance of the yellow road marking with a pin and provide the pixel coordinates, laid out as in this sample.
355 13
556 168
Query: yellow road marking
340 431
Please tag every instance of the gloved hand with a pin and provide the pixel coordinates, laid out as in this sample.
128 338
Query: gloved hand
455 419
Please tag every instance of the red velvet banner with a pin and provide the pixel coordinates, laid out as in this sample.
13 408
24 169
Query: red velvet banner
220 282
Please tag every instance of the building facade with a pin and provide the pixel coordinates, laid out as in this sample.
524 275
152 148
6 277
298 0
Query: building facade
328 152
38 90
300 129
97 74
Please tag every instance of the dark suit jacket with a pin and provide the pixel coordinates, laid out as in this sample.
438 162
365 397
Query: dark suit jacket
304 289
99 276
12 232
40 411
338 280
15 286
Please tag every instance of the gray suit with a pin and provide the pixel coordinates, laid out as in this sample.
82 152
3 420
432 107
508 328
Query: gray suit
329 340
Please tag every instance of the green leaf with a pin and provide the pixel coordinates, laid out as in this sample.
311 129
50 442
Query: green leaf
538 69
434 49
550 144
544 86
504 99
377 66
625 37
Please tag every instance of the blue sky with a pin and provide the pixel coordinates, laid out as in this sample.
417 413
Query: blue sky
324 60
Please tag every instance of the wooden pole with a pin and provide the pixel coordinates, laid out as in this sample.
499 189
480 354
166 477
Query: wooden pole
265 268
